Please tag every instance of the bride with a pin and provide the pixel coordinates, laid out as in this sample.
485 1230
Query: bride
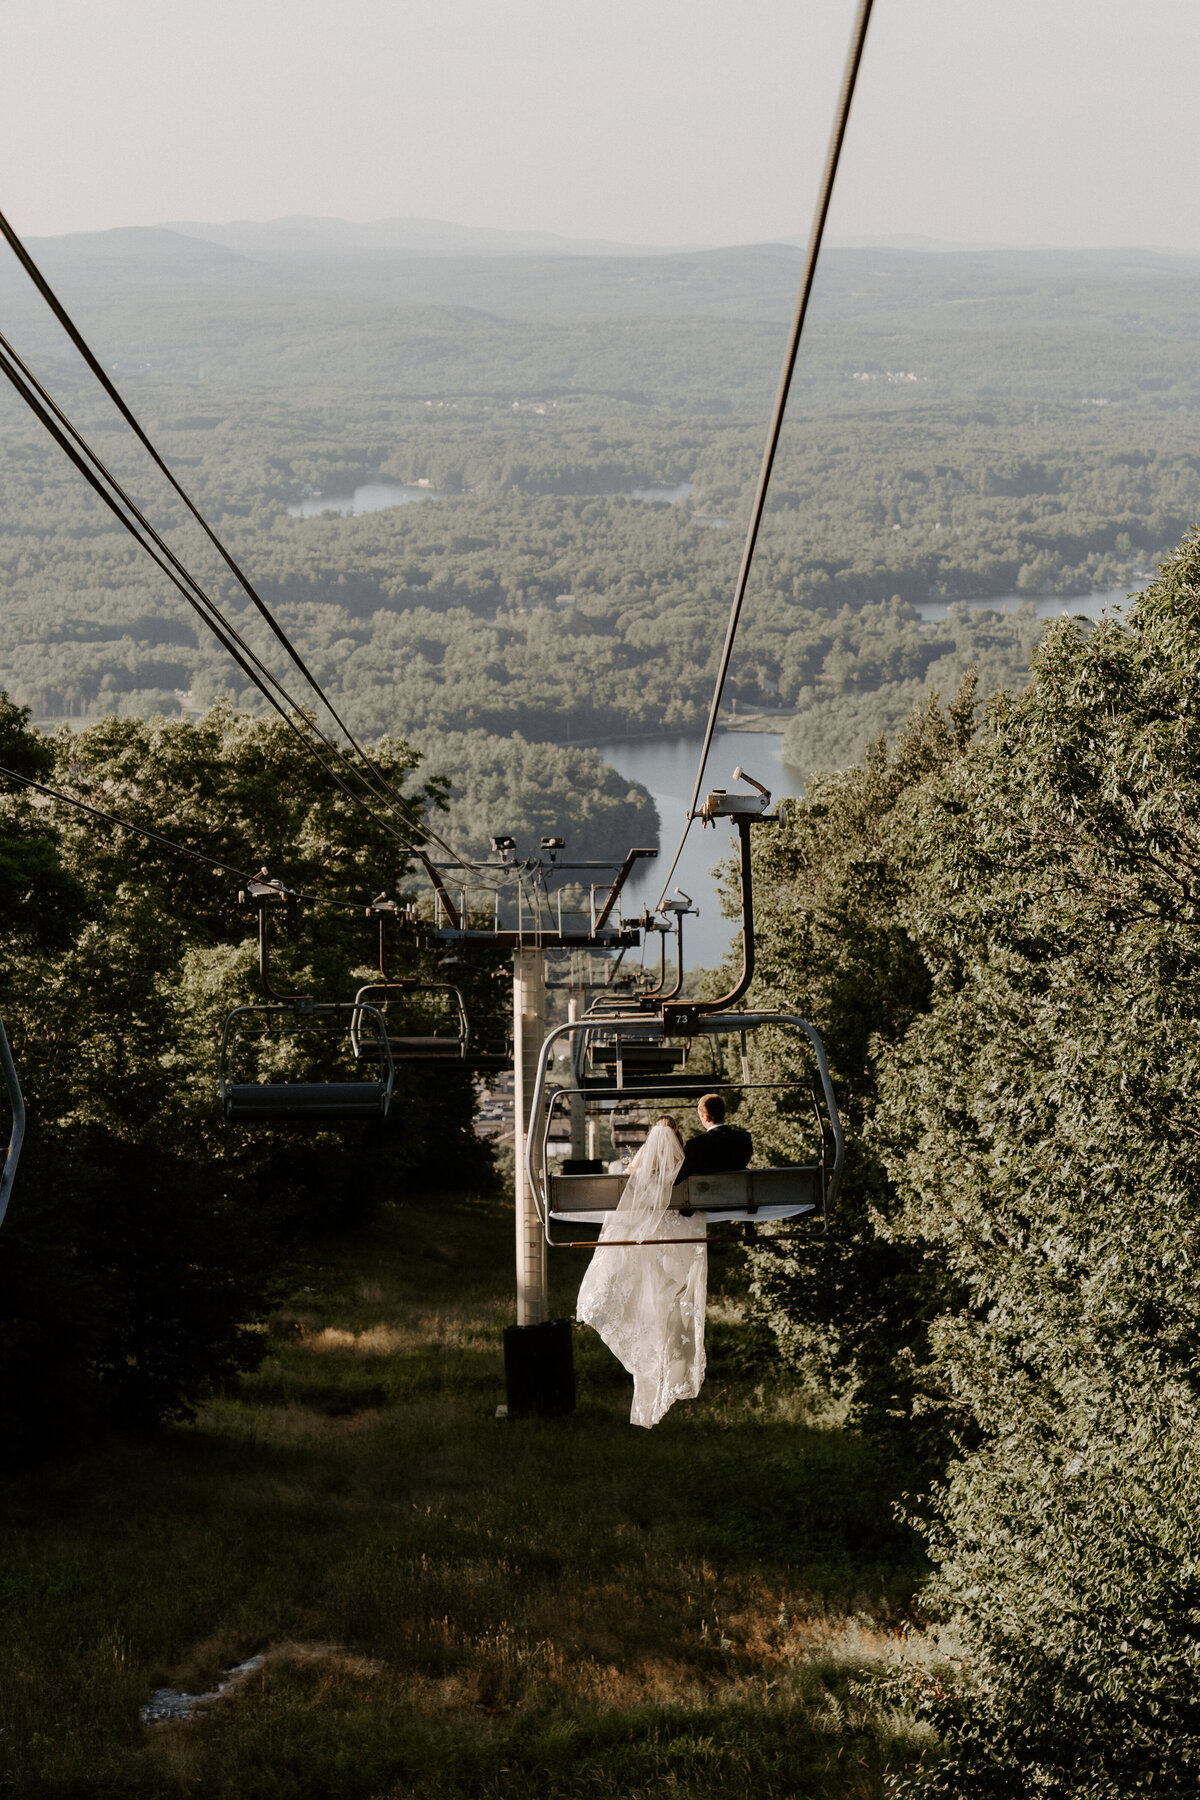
648 1303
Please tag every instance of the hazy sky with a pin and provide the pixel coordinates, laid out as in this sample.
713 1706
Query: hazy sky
652 121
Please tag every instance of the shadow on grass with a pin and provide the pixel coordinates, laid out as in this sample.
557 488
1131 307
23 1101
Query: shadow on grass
450 1604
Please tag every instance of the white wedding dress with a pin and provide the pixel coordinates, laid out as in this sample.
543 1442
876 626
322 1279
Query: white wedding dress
648 1304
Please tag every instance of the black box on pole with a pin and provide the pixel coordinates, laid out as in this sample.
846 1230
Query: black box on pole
539 1370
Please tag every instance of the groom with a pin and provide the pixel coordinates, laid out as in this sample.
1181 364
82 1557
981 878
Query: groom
719 1146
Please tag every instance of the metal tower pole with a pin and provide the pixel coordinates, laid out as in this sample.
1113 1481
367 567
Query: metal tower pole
539 1374
575 1007
529 1031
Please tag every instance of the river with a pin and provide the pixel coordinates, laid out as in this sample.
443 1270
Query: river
667 766
370 497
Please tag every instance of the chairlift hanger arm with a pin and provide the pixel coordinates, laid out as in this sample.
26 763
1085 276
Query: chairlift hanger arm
681 908
743 810
854 56
17 1132
261 892
623 875
648 924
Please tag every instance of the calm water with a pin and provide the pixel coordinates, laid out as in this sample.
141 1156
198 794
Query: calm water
372 496
667 766
1052 607
377 496
669 495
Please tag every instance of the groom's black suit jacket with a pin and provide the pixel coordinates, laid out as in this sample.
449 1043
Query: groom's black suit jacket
724 1147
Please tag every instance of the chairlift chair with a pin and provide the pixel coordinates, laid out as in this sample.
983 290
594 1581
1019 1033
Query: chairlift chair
447 1045
749 1196
627 1055
270 1022
312 1102
426 1021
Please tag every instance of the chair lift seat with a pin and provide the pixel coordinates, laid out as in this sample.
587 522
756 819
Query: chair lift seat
648 1086
440 1050
316 1100
732 1194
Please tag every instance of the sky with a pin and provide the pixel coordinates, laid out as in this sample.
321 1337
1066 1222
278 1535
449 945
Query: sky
1049 122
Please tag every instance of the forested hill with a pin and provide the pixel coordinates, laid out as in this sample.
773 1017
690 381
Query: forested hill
963 426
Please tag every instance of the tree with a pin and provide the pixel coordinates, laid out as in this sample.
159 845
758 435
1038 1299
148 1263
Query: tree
147 1233
1041 1122
835 885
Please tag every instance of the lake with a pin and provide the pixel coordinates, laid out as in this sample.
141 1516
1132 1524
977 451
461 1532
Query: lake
667 766
1051 606
377 496
670 496
371 497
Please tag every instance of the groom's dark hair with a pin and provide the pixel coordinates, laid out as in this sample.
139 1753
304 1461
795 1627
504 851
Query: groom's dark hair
713 1107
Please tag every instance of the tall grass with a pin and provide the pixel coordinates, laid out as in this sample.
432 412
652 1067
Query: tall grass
449 1604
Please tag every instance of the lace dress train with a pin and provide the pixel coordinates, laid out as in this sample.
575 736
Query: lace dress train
648 1304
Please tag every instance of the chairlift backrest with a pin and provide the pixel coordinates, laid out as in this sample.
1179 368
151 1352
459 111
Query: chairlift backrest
313 1102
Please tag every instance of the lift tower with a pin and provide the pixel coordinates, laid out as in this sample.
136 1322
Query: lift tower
538 1363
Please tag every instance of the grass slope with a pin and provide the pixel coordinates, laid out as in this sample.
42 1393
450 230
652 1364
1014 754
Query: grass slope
449 1604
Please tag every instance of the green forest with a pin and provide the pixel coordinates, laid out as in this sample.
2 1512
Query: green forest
962 428
930 1526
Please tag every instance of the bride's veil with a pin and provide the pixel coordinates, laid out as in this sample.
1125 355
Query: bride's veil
644 1291
647 1197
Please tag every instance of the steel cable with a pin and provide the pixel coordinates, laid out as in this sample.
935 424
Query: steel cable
105 485
210 862
81 345
841 120
92 467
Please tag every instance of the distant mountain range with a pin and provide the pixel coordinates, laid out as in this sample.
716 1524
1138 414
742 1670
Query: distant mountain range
273 284
300 235
313 242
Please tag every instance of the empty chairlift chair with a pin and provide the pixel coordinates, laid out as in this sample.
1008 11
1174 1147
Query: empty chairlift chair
629 1056
280 1058
278 1036
425 1023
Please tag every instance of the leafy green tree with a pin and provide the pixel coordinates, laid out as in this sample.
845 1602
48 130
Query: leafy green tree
147 1232
836 884
1040 1121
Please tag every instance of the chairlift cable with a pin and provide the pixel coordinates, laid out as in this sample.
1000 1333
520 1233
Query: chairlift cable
166 843
175 571
79 341
220 626
816 234
76 447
